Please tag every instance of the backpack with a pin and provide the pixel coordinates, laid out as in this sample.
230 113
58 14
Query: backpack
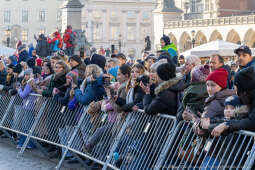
72 38
60 44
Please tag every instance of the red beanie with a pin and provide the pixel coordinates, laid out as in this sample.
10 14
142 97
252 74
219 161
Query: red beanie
39 62
219 76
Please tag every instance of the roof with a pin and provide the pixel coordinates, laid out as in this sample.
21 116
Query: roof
72 4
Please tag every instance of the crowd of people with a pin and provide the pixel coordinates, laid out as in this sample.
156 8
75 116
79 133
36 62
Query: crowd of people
218 98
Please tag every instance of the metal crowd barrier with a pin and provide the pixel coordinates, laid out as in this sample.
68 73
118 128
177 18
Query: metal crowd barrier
122 141
186 150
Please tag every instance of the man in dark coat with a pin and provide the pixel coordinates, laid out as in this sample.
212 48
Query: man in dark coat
165 100
42 47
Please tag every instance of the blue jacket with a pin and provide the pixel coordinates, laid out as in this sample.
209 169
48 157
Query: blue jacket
93 91
3 75
250 64
23 56
55 46
28 101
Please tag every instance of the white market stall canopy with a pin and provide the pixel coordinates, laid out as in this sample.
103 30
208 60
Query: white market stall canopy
5 51
220 47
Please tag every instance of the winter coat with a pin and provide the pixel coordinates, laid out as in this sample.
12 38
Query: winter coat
172 50
55 82
23 56
137 100
250 64
214 107
3 75
239 114
194 97
166 97
28 100
245 123
121 96
67 38
90 91
42 48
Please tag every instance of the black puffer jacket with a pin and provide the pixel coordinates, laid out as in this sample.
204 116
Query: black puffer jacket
165 100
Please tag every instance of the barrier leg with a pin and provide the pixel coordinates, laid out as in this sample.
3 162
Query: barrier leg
38 145
117 141
32 130
70 142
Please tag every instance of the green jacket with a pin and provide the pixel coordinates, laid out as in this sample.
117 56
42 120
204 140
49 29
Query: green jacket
194 96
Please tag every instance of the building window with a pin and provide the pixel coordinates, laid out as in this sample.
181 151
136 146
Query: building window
59 16
115 32
206 5
24 36
193 6
145 31
131 32
24 15
7 16
131 14
42 15
97 31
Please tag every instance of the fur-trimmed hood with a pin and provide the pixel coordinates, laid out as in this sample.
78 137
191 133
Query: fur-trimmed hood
171 84
242 110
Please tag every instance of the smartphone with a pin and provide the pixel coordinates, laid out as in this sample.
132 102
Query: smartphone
94 74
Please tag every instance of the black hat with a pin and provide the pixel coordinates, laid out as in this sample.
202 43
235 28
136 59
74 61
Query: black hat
17 68
121 55
166 39
11 66
37 70
31 62
245 79
76 58
98 60
166 71
244 49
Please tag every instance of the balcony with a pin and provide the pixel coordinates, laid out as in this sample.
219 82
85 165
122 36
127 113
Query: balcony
233 20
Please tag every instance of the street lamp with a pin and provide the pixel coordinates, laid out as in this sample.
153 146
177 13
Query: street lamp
8 32
120 43
193 38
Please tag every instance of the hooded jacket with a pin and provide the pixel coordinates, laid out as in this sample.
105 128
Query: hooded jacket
214 107
42 48
166 97
67 38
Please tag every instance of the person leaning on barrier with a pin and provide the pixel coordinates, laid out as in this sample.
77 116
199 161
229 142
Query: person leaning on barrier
191 61
57 82
169 84
216 83
134 92
92 88
245 85
194 96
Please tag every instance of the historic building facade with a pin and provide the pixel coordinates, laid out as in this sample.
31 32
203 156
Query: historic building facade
22 19
122 23
202 21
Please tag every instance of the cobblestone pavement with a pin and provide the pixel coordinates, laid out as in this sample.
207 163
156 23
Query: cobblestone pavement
31 160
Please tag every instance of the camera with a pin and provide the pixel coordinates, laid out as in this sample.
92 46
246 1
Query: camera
106 81
144 79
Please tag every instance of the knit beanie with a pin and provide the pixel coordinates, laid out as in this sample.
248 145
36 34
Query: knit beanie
37 70
154 66
28 71
233 101
11 66
17 68
60 53
219 76
245 79
199 73
31 62
39 62
98 60
166 71
74 75
76 58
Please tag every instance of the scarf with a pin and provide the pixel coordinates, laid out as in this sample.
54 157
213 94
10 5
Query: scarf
130 94
8 78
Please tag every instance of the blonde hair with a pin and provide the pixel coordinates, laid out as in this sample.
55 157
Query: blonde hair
93 67
2 64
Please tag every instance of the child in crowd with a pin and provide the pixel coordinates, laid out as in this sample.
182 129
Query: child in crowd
233 110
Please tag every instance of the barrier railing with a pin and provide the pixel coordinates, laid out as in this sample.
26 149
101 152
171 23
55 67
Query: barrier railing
122 141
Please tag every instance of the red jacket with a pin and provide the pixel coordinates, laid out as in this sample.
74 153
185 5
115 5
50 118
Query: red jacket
67 37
